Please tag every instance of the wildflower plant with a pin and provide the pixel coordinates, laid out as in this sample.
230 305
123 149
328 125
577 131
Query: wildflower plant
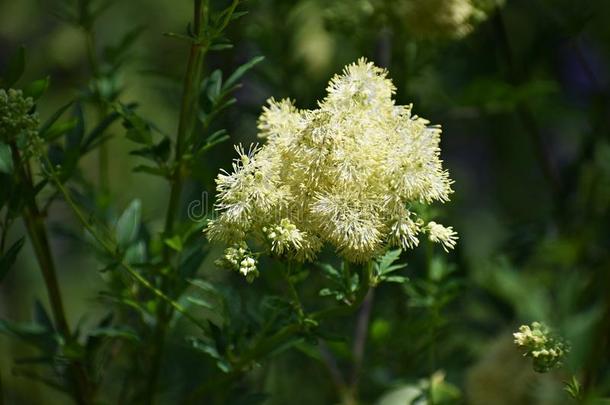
351 174
537 341
325 265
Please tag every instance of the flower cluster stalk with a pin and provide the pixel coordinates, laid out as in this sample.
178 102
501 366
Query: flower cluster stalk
267 345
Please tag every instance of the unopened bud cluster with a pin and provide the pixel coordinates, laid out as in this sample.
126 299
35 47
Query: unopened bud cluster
16 117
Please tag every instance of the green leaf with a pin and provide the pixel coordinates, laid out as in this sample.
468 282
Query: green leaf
6 159
158 153
59 129
209 347
128 225
37 88
15 68
136 253
238 14
175 243
214 85
100 129
41 316
200 302
240 71
47 125
178 36
8 258
385 264
75 136
138 129
395 279
220 47
32 333
330 271
203 285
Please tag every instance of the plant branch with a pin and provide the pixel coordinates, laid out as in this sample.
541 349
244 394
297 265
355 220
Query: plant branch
34 223
281 337
186 124
360 336
113 251
294 295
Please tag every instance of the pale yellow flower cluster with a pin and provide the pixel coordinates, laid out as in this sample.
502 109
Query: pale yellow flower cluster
444 18
346 174
537 342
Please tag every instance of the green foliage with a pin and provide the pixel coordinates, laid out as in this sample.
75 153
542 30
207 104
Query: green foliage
8 258
6 159
132 308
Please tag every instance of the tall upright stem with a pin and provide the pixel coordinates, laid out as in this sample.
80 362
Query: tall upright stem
186 125
34 223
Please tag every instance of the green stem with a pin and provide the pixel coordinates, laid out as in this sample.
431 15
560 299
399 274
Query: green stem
37 233
294 295
186 124
113 251
265 346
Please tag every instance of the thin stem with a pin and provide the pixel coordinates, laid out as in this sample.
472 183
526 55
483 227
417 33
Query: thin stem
265 346
346 393
294 295
330 361
360 336
34 223
132 272
112 250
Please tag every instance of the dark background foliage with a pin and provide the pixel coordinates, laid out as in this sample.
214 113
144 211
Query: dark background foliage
524 104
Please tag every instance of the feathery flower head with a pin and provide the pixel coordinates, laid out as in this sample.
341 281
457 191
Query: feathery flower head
546 350
445 235
346 174
16 119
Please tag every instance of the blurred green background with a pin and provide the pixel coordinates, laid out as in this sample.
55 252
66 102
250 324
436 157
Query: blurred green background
521 90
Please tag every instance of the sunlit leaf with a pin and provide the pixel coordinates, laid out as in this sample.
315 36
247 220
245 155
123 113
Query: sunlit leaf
128 225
